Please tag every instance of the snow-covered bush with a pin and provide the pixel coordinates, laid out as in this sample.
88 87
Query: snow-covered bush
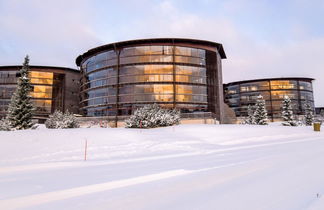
5 125
260 113
62 120
287 113
151 116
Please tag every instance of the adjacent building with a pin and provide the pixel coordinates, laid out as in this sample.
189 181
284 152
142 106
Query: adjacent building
53 88
239 95
119 77
319 110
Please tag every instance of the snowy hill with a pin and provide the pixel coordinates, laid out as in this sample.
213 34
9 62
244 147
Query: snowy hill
181 167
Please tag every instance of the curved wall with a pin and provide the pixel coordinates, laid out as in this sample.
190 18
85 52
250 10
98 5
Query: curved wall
238 95
183 74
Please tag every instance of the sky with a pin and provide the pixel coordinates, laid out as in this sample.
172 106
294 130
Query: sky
261 38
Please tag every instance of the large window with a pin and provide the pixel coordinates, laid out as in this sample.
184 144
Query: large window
283 84
167 75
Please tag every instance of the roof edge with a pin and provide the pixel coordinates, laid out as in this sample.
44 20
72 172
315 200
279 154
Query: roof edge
266 79
37 66
149 40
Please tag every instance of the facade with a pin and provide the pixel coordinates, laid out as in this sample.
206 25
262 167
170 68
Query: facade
174 73
319 110
53 88
238 95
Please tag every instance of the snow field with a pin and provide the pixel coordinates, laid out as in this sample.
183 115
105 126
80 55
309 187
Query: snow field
181 167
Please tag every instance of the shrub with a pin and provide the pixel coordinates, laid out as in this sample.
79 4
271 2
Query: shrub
61 120
152 116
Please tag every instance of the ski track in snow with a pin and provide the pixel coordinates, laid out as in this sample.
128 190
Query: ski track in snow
27 201
54 165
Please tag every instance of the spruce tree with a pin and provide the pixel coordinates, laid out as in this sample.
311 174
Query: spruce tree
287 113
250 120
20 108
260 113
309 117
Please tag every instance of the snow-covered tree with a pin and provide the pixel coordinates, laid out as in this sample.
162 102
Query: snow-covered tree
20 108
287 113
250 120
59 120
151 116
260 113
309 117
5 125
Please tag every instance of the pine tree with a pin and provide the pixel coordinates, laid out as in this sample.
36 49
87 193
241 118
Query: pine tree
260 113
20 108
287 113
250 120
309 117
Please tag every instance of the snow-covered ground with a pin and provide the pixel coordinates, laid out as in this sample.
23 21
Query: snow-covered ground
182 167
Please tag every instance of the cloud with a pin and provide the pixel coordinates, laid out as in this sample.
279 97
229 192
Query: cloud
259 38
248 57
51 32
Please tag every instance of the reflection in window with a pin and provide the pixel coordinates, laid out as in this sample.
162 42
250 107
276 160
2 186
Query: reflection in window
305 85
283 84
278 94
254 86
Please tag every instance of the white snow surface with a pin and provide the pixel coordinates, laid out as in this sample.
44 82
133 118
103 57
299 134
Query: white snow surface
181 167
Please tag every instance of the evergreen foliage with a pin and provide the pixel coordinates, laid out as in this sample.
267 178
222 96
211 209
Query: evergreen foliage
61 120
20 108
151 116
260 113
250 120
309 117
287 113
5 125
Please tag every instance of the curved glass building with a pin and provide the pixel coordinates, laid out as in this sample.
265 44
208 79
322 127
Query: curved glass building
53 88
176 73
238 95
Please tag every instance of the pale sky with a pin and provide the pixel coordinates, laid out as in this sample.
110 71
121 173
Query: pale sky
261 38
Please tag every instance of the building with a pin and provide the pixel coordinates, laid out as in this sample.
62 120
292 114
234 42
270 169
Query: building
186 74
319 110
238 95
53 88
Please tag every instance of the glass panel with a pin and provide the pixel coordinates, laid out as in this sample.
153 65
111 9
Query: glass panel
249 98
305 85
254 86
233 89
305 95
37 77
281 94
41 91
283 84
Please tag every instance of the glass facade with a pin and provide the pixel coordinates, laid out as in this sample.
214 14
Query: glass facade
240 95
117 81
47 89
